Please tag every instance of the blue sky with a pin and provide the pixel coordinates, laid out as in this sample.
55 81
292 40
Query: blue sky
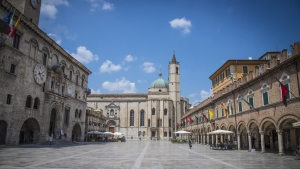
126 43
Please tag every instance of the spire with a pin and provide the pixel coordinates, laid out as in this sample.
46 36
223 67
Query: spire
174 58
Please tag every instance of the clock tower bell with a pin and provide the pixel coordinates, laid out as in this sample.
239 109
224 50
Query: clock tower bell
29 8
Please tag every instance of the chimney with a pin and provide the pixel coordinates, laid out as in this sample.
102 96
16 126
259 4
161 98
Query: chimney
295 48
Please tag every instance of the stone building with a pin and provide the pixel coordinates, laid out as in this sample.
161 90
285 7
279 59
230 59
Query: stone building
95 120
43 89
264 122
153 115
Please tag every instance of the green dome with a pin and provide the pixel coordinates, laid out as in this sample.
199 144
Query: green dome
159 83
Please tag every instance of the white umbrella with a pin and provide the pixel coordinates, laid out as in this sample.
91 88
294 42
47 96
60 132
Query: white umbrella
117 133
108 133
220 132
181 132
94 132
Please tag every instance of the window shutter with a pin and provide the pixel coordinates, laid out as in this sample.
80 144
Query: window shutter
240 107
265 97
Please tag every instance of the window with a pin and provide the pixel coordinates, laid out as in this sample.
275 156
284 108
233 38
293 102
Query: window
67 116
170 135
240 106
76 113
217 113
265 94
79 115
45 59
16 41
62 90
170 123
52 84
70 75
245 69
176 70
8 99
222 76
12 68
28 101
33 48
148 122
165 111
142 118
131 118
165 134
76 95
82 81
227 72
77 79
158 123
222 112
265 98
153 111
251 101
36 103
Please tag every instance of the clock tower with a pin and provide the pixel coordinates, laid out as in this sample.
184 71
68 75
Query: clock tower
29 8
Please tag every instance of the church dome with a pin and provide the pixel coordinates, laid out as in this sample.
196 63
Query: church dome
159 83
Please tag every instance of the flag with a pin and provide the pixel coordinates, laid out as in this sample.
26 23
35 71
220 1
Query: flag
245 100
11 23
226 111
15 27
6 18
187 121
191 120
211 114
205 117
284 91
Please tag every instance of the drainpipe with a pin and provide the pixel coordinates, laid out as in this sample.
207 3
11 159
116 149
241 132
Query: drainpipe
296 63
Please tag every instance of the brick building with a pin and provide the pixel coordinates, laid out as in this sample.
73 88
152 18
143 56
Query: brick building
264 123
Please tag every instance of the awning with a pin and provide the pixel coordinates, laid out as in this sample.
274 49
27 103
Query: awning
297 124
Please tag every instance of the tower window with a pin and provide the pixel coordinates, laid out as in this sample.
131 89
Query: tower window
16 41
176 70
12 68
8 99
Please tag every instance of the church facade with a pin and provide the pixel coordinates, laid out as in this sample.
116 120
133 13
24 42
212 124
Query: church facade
43 89
154 115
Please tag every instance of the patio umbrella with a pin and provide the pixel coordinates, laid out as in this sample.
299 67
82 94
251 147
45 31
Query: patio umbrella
94 132
220 132
181 132
117 133
108 133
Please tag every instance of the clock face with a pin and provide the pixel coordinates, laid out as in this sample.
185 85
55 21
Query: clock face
34 3
39 74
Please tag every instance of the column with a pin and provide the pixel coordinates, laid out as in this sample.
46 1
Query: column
216 139
239 141
212 139
201 138
222 138
249 141
207 139
204 137
262 140
228 137
280 143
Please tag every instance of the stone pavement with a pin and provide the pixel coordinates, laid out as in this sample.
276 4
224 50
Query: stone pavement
138 154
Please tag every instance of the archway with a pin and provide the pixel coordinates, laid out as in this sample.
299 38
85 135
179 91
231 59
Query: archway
52 123
76 132
3 129
30 131
270 134
111 126
243 137
254 135
290 135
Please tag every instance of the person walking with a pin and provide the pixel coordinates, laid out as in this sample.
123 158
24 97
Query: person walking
50 140
190 143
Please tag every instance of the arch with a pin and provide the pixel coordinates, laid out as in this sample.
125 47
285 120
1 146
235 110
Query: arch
250 92
28 101
287 119
251 123
223 126
30 131
240 125
264 86
112 112
54 60
36 103
266 121
3 131
284 76
76 133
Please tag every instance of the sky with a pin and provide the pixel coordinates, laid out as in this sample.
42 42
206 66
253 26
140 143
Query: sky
127 43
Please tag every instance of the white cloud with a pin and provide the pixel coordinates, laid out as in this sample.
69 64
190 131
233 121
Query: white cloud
109 67
55 37
195 102
181 24
142 81
148 67
127 68
97 91
107 6
129 58
100 4
192 95
49 9
122 85
84 55
204 94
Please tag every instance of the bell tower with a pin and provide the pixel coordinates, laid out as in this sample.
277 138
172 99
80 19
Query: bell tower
29 8
174 89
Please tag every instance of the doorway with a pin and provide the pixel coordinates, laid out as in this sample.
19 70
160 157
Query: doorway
3 128
52 123
111 129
